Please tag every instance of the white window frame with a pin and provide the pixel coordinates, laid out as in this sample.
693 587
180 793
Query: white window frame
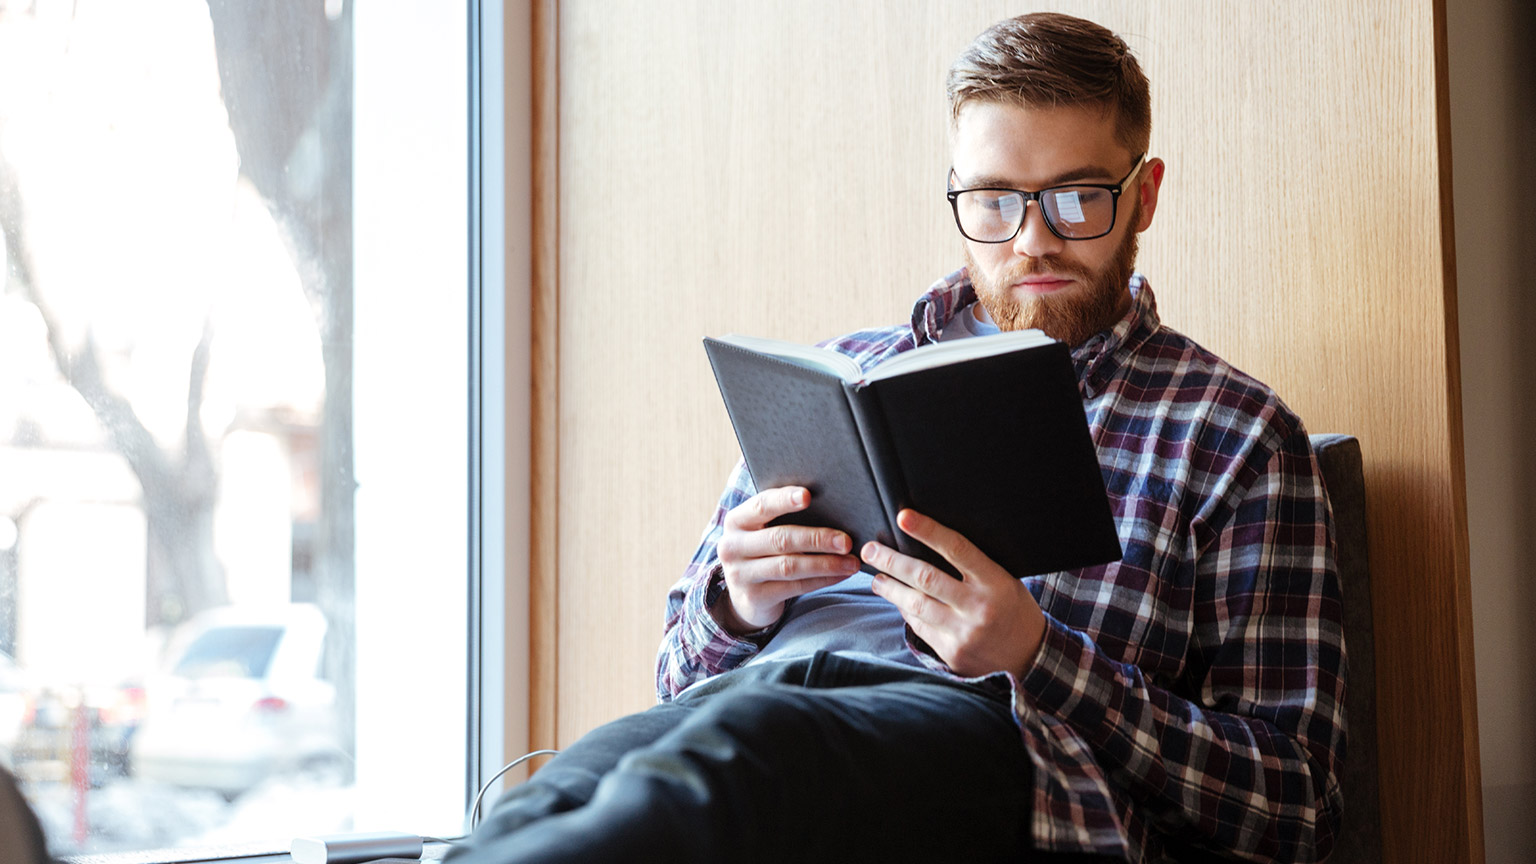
501 62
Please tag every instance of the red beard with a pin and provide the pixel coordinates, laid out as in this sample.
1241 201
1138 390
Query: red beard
1093 305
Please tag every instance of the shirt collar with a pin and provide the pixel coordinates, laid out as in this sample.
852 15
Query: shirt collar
1097 360
940 304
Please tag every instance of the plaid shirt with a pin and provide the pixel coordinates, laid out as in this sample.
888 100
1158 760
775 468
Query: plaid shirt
1192 694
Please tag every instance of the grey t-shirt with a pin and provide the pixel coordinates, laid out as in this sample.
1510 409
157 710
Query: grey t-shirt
846 619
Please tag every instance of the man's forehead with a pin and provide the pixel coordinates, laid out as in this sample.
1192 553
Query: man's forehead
994 141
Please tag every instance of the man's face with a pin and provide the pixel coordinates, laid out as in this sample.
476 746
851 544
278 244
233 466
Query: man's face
1071 289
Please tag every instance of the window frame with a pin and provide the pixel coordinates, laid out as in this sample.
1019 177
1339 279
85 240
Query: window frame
501 129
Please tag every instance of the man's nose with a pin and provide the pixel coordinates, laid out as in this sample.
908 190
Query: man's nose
1034 239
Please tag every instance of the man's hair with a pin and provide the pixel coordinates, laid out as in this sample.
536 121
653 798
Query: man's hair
1045 60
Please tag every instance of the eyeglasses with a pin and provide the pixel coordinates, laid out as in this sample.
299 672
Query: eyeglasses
1077 211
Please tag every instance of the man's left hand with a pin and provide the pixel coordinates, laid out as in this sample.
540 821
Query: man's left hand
986 622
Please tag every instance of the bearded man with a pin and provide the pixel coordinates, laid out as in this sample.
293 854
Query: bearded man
1187 700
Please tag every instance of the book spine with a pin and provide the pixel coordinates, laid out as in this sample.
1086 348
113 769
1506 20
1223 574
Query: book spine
877 449
891 481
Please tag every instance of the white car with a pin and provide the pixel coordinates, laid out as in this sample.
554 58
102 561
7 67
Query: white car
243 702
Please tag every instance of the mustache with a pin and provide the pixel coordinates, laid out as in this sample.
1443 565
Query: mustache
1044 267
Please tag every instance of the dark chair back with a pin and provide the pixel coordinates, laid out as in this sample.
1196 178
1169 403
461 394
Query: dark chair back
1360 841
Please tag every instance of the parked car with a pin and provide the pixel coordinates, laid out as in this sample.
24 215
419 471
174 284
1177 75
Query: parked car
243 701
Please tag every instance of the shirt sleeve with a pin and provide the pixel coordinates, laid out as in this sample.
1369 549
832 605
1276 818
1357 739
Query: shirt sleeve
1247 764
694 645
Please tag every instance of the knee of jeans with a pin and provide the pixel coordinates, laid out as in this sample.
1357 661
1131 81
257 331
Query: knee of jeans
679 769
751 722
718 750
556 791
771 704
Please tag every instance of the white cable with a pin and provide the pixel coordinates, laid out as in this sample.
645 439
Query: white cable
472 818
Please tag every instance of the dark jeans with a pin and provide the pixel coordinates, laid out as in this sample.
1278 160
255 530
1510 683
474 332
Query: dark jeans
826 759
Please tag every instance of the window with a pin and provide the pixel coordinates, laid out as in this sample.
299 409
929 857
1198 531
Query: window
251 418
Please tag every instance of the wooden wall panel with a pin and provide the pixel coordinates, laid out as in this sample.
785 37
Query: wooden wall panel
777 168
543 600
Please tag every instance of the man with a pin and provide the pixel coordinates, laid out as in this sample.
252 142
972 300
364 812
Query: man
1183 701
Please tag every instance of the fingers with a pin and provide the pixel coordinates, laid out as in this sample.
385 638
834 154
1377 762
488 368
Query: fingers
922 592
982 623
766 566
946 541
764 595
744 544
912 572
766 506
781 552
789 568
758 588
929 617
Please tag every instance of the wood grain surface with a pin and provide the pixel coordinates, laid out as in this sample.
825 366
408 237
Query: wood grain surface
543 600
777 169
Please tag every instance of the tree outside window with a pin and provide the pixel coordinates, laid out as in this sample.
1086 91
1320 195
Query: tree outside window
177 517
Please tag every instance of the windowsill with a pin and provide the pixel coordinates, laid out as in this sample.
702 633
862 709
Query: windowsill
243 853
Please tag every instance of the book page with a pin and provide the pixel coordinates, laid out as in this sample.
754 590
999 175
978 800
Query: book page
944 353
821 359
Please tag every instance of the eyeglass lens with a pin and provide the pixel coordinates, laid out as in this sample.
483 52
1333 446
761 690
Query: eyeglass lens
992 216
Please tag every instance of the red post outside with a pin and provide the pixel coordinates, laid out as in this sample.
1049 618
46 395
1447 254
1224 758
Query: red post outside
80 770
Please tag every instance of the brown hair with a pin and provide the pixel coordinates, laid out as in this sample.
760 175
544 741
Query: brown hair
1047 59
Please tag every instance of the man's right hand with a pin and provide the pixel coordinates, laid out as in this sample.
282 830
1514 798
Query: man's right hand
766 566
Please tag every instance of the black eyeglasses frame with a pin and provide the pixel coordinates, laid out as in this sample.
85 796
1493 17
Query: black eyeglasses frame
1115 190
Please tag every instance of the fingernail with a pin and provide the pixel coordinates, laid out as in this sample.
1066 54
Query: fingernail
868 551
840 543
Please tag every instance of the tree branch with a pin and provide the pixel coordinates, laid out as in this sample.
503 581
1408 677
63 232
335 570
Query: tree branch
199 459
81 369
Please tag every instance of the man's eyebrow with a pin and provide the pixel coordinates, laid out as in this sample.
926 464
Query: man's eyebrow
1093 173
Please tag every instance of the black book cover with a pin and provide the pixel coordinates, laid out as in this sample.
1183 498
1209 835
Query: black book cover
996 447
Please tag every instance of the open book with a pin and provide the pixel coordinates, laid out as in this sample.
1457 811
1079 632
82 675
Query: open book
987 435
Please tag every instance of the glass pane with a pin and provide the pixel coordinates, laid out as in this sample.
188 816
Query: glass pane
201 570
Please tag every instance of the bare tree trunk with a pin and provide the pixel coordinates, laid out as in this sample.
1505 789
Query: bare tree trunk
179 489
286 74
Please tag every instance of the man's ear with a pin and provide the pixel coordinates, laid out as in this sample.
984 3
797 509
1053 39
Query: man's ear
1147 185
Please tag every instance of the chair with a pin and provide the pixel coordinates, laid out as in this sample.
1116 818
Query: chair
1360 839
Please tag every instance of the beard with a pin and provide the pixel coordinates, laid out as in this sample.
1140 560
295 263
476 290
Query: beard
1072 316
